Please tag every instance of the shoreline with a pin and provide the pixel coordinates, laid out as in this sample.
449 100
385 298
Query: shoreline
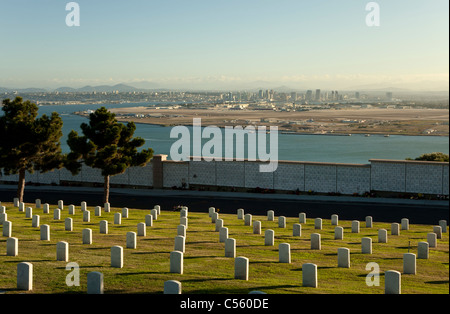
281 130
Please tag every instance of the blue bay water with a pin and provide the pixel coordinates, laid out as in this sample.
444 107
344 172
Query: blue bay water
320 148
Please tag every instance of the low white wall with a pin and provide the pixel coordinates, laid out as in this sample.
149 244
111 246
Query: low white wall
380 175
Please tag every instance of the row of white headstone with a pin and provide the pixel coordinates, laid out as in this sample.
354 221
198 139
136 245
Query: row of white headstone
393 278
95 279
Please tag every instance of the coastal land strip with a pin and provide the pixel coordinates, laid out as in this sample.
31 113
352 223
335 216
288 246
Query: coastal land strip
381 121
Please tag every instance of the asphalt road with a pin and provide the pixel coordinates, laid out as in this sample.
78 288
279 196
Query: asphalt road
382 211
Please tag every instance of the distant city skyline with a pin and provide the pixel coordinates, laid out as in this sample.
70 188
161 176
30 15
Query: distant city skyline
226 45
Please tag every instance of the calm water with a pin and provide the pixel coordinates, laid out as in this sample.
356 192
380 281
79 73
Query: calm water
322 148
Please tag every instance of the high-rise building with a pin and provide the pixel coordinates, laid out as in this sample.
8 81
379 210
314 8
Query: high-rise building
317 95
309 95
293 96
389 96
357 96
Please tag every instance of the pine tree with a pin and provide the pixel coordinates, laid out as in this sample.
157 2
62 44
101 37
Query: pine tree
107 145
28 143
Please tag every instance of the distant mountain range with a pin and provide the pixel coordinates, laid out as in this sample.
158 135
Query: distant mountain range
253 86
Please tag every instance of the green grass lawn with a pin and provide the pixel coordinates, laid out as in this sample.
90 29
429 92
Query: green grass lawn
206 270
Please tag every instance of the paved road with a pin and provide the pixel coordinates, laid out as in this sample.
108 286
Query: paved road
348 208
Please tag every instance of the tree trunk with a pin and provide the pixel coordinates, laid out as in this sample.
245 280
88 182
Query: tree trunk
106 190
21 186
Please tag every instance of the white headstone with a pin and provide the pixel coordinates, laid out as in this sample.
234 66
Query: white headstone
62 251
149 220
104 227
172 287
45 232
343 257
240 213
423 250
355 226
154 213
25 276
443 224
382 236
247 219
158 209
315 241
46 209
3 218
297 230
270 215
117 218
107 207
369 222
230 248
184 221
71 209
214 217
141 229
12 246
181 230
86 216
405 224
284 253
281 222
38 203
257 227
95 283
131 240
98 211
438 231
211 210
87 236
180 244
16 202
302 218
35 221
366 245
83 206
68 224
223 234
318 223
61 204
395 229
21 207
176 262
57 214
309 272
409 263
339 233
432 239
7 229
219 224
392 282
334 220
117 256
241 268
28 212
125 212
269 237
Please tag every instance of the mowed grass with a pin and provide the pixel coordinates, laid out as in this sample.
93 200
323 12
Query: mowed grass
206 270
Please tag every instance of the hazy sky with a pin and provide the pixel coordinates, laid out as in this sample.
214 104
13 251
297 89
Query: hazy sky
224 43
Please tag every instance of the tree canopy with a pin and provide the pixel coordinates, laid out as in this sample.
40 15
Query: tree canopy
107 145
434 157
28 143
